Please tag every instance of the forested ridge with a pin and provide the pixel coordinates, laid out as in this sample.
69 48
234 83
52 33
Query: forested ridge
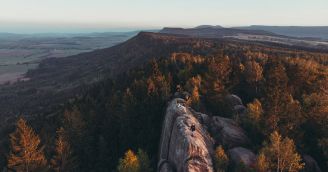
285 91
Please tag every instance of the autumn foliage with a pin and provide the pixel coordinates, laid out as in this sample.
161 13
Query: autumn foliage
285 91
26 150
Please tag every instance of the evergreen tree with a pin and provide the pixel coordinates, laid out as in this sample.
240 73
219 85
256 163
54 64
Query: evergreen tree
221 159
254 111
261 164
76 129
144 161
315 107
63 160
26 152
103 158
74 123
276 92
193 86
323 144
291 118
253 121
253 73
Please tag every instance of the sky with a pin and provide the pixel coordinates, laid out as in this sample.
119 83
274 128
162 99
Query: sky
28 16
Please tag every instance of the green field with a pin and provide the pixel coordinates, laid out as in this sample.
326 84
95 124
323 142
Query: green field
19 53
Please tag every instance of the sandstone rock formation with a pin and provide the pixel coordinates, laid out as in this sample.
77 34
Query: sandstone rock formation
189 138
227 132
185 145
310 164
240 155
233 106
233 100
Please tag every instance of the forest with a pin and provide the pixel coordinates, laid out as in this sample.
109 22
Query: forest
115 124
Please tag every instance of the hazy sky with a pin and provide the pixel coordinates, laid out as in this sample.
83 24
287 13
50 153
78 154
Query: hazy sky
101 15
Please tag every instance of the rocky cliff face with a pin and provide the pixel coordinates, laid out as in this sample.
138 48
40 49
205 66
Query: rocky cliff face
189 138
185 144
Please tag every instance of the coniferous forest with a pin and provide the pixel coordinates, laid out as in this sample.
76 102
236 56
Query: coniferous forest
115 124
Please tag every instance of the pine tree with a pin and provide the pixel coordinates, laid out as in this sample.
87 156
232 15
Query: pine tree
255 111
26 152
75 126
276 93
194 100
261 164
130 163
193 86
74 123
103 157
281 154
253 121
144 161
63 160
323 144
221 159
253 73
291 118
316 109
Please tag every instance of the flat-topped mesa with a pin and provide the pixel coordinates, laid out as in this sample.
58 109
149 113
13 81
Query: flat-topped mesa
185 144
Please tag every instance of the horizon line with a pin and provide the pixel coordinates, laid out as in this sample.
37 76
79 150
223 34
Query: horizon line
83 30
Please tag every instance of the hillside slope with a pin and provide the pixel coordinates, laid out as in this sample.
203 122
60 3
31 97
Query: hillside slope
61 78
318 32
113 100
257 34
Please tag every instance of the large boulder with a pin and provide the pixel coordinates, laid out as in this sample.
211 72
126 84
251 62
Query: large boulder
203 119
182 95
185 145
241 157
227 132
233 106
311 164
239 111
233 100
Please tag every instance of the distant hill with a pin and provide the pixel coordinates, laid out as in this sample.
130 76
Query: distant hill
119 95
252 33
206 31
295 31
208 26
64 77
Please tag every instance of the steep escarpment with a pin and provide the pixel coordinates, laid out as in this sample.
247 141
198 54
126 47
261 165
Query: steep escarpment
213 32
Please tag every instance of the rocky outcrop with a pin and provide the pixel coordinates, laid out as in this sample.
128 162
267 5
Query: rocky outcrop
227 133
234 105
240 155
185 145
189 138
183 95
311 164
